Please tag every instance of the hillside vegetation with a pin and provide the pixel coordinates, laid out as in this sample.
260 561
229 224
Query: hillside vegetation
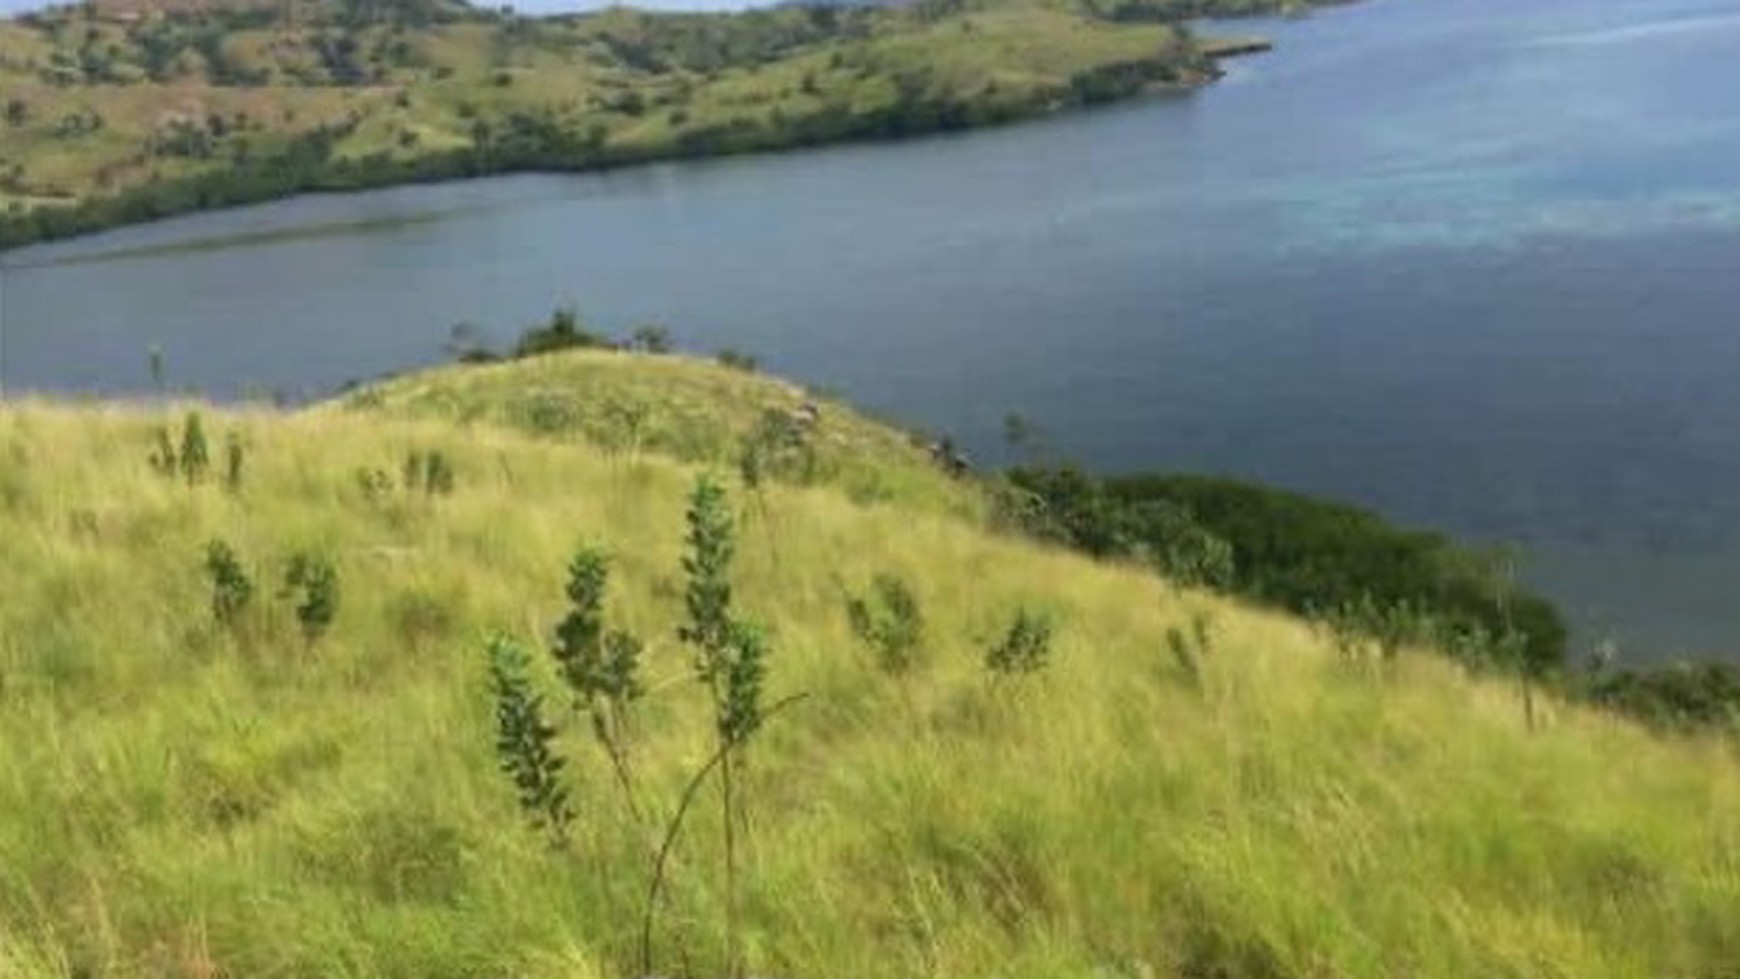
681 408
120 111
200 783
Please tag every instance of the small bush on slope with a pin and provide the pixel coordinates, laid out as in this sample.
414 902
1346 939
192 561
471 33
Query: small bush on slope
890 623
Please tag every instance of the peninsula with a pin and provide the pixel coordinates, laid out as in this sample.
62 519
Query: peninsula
120 111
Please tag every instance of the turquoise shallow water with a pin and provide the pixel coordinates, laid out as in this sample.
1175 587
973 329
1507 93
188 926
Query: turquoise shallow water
1472 262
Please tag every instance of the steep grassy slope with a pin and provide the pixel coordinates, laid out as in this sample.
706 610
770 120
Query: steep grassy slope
180 799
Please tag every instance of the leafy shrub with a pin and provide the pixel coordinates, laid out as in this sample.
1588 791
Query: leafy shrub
525 742
600 666
312 582
1288 550
374 483
651 338
1364 625
743 668
162 458
1183 549
1468 643
1024 649
890 623
1077 509
729 659
231 590
1190 649
728 652
738 360
779 446
1679 696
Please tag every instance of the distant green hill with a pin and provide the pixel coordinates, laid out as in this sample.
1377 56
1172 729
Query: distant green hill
126 110
286 779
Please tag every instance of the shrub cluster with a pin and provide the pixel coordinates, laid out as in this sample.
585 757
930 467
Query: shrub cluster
1024 649
1309 556
1678 696
889 622
601 668
310 583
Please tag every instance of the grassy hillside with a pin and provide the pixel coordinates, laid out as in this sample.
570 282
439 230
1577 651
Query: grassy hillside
183 798
689 410
123 111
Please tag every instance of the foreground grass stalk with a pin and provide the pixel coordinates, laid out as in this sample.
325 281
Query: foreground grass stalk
667 845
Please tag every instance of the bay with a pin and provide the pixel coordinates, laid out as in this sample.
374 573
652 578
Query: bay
1472 263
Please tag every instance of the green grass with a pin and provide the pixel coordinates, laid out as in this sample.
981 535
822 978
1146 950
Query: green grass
691 410
179 800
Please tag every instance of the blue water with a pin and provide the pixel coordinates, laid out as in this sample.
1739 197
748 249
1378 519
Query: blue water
1474 263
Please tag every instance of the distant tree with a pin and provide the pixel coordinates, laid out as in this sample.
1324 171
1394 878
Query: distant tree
154 355
563 332
17 113
738 360
467 344
652 338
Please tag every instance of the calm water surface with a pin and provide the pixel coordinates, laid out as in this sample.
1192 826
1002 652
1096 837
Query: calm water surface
1475 263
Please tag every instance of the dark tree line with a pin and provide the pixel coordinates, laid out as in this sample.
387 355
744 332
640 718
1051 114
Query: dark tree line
1296 552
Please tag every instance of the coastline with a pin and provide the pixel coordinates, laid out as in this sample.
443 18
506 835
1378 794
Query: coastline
297 171
1221 48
